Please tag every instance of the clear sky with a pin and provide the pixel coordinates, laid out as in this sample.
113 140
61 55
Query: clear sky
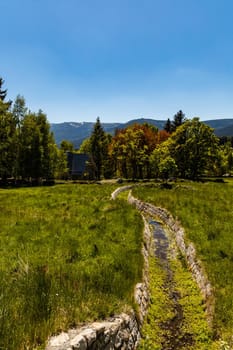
119 59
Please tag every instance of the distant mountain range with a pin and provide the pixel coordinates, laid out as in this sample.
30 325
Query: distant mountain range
76 132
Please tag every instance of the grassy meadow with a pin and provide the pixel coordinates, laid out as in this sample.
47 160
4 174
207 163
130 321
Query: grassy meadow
205 210
68 254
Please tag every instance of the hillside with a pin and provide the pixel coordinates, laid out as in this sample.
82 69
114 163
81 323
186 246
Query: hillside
222 127
76 132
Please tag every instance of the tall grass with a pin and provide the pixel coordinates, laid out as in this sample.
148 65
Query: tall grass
206 212
68 254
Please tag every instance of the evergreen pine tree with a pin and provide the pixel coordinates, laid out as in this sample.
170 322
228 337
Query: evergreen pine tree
98 147
178 119
2 92
7 137
168 126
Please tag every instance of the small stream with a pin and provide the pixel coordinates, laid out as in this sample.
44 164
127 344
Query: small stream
174 336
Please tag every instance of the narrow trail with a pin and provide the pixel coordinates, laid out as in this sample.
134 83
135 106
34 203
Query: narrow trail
174 336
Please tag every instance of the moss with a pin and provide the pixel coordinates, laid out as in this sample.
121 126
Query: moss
194 331
204 210
160 309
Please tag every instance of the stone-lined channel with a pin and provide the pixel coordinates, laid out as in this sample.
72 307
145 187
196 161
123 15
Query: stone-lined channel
174 337
124 331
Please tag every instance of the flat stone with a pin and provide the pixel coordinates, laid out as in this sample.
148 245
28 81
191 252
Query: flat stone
98 326
78 343
58 340
90 335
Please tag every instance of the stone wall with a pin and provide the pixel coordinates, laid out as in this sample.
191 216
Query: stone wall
123 331
119 190
119 332
187 250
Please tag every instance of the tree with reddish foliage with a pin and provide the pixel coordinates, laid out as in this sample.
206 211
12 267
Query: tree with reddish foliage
131 148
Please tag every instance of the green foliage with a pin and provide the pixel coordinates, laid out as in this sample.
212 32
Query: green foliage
7 136
204 210
99 148
195 321
194 148
68 255
224 162
67 146
131 148
28 151
2 92
85 147
167 167
19 109
27 147
61 165
159 310
168 126
162 164
37 151
178 120
7 143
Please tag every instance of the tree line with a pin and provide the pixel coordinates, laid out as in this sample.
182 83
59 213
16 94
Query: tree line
28 152
185 148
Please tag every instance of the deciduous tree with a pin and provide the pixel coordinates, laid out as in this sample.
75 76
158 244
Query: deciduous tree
194 147
130 149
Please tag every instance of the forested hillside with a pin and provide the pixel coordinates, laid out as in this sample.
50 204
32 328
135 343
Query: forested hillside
76 132
141 149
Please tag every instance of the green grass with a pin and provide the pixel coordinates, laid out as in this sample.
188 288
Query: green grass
205 211
68 254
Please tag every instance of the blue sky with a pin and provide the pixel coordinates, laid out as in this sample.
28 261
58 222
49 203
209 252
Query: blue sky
119 59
